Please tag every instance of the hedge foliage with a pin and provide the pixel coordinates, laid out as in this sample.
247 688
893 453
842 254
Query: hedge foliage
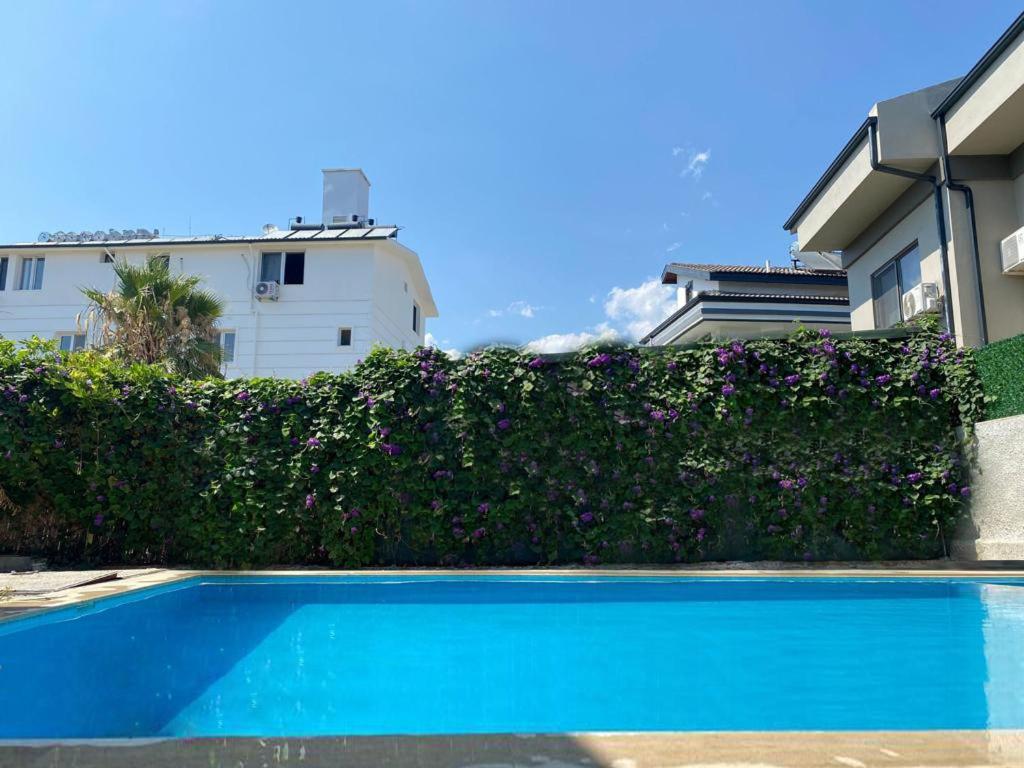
1001 368
810 447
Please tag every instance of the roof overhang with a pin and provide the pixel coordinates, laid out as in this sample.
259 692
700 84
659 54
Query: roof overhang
703 307
412 260
851 194
672 272
984 114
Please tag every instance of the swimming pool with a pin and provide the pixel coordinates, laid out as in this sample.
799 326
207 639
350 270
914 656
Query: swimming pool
304 656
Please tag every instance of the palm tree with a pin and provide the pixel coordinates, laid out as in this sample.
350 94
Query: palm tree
152 316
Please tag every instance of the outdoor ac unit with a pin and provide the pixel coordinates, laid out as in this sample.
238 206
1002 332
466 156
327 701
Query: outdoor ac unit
920 298
1012 250
267 290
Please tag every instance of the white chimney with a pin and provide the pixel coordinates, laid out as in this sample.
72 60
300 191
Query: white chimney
346 195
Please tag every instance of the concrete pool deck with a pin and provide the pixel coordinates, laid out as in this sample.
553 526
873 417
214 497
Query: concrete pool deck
895 749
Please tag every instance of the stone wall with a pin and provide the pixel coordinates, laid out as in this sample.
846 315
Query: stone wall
995 530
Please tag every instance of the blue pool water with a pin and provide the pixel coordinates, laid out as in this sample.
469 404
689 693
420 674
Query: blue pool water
409 655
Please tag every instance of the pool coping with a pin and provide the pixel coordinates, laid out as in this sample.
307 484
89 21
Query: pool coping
31 605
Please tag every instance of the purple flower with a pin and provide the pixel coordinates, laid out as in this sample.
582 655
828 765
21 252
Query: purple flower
599 360
883 379
23 399
914 477
504 424
385 431
965 491
824 333
479 533
310 501
587 517
786 485
934 394
484 508
672 365
658 415
313 442
535 363
314 468
243 396
391 449
97 521
792 379
728 390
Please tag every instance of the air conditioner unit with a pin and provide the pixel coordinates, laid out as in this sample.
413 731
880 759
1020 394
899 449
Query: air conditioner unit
920 298
267 290
1012 251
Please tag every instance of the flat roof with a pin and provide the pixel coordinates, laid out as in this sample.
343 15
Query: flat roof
755 274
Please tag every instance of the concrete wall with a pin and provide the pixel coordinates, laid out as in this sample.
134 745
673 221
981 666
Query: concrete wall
995 530
883 245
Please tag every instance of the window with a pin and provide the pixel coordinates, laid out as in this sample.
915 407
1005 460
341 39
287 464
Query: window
890 283
283 268
164 258
344 337
416 317
226 342
3 273
71 342
107 257
31 273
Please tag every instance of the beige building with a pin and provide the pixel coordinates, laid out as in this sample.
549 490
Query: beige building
722 301
926 203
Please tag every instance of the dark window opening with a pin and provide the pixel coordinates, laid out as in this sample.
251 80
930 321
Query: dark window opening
344 337
294 268
416 318
3 273
890 283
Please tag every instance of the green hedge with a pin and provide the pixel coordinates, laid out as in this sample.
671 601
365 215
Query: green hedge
1001 368
807 448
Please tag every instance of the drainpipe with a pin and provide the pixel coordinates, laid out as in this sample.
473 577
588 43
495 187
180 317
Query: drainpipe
947 178
940 218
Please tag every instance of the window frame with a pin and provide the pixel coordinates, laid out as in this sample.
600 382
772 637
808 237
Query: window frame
4 262
342 330
901 288
282 267
73 345
33 275
221 333
415 317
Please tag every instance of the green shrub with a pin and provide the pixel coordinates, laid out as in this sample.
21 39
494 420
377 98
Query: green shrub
1001 369
810 447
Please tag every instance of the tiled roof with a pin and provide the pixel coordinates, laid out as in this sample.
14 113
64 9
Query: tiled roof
746 269
277 235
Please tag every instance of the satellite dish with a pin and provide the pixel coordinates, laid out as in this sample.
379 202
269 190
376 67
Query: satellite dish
59 236
113 234
129 234
84 237
99 235
44 237
142 233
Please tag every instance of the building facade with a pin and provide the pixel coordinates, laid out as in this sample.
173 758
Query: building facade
313 297
926 203
719 301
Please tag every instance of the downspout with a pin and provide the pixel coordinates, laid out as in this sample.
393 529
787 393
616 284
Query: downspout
940 218
947 178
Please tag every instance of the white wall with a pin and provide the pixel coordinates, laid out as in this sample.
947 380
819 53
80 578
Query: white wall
359 286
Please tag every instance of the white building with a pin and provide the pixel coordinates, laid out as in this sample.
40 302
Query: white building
313 297
728 301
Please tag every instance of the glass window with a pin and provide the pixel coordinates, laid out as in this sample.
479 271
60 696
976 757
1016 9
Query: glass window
226 342
344 337
31 273
3 273
294 268
885 289
107 257
688 291
415 318
270 268
890 283
72 342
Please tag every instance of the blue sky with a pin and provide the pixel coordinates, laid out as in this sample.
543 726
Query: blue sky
545 158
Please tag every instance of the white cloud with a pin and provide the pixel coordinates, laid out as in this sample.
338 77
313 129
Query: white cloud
706 196
430 340
568 342
673 247
630 314
637 310
521 308
696 162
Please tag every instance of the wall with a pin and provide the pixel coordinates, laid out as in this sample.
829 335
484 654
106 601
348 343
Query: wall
291 338
995 530
394 291
881 243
